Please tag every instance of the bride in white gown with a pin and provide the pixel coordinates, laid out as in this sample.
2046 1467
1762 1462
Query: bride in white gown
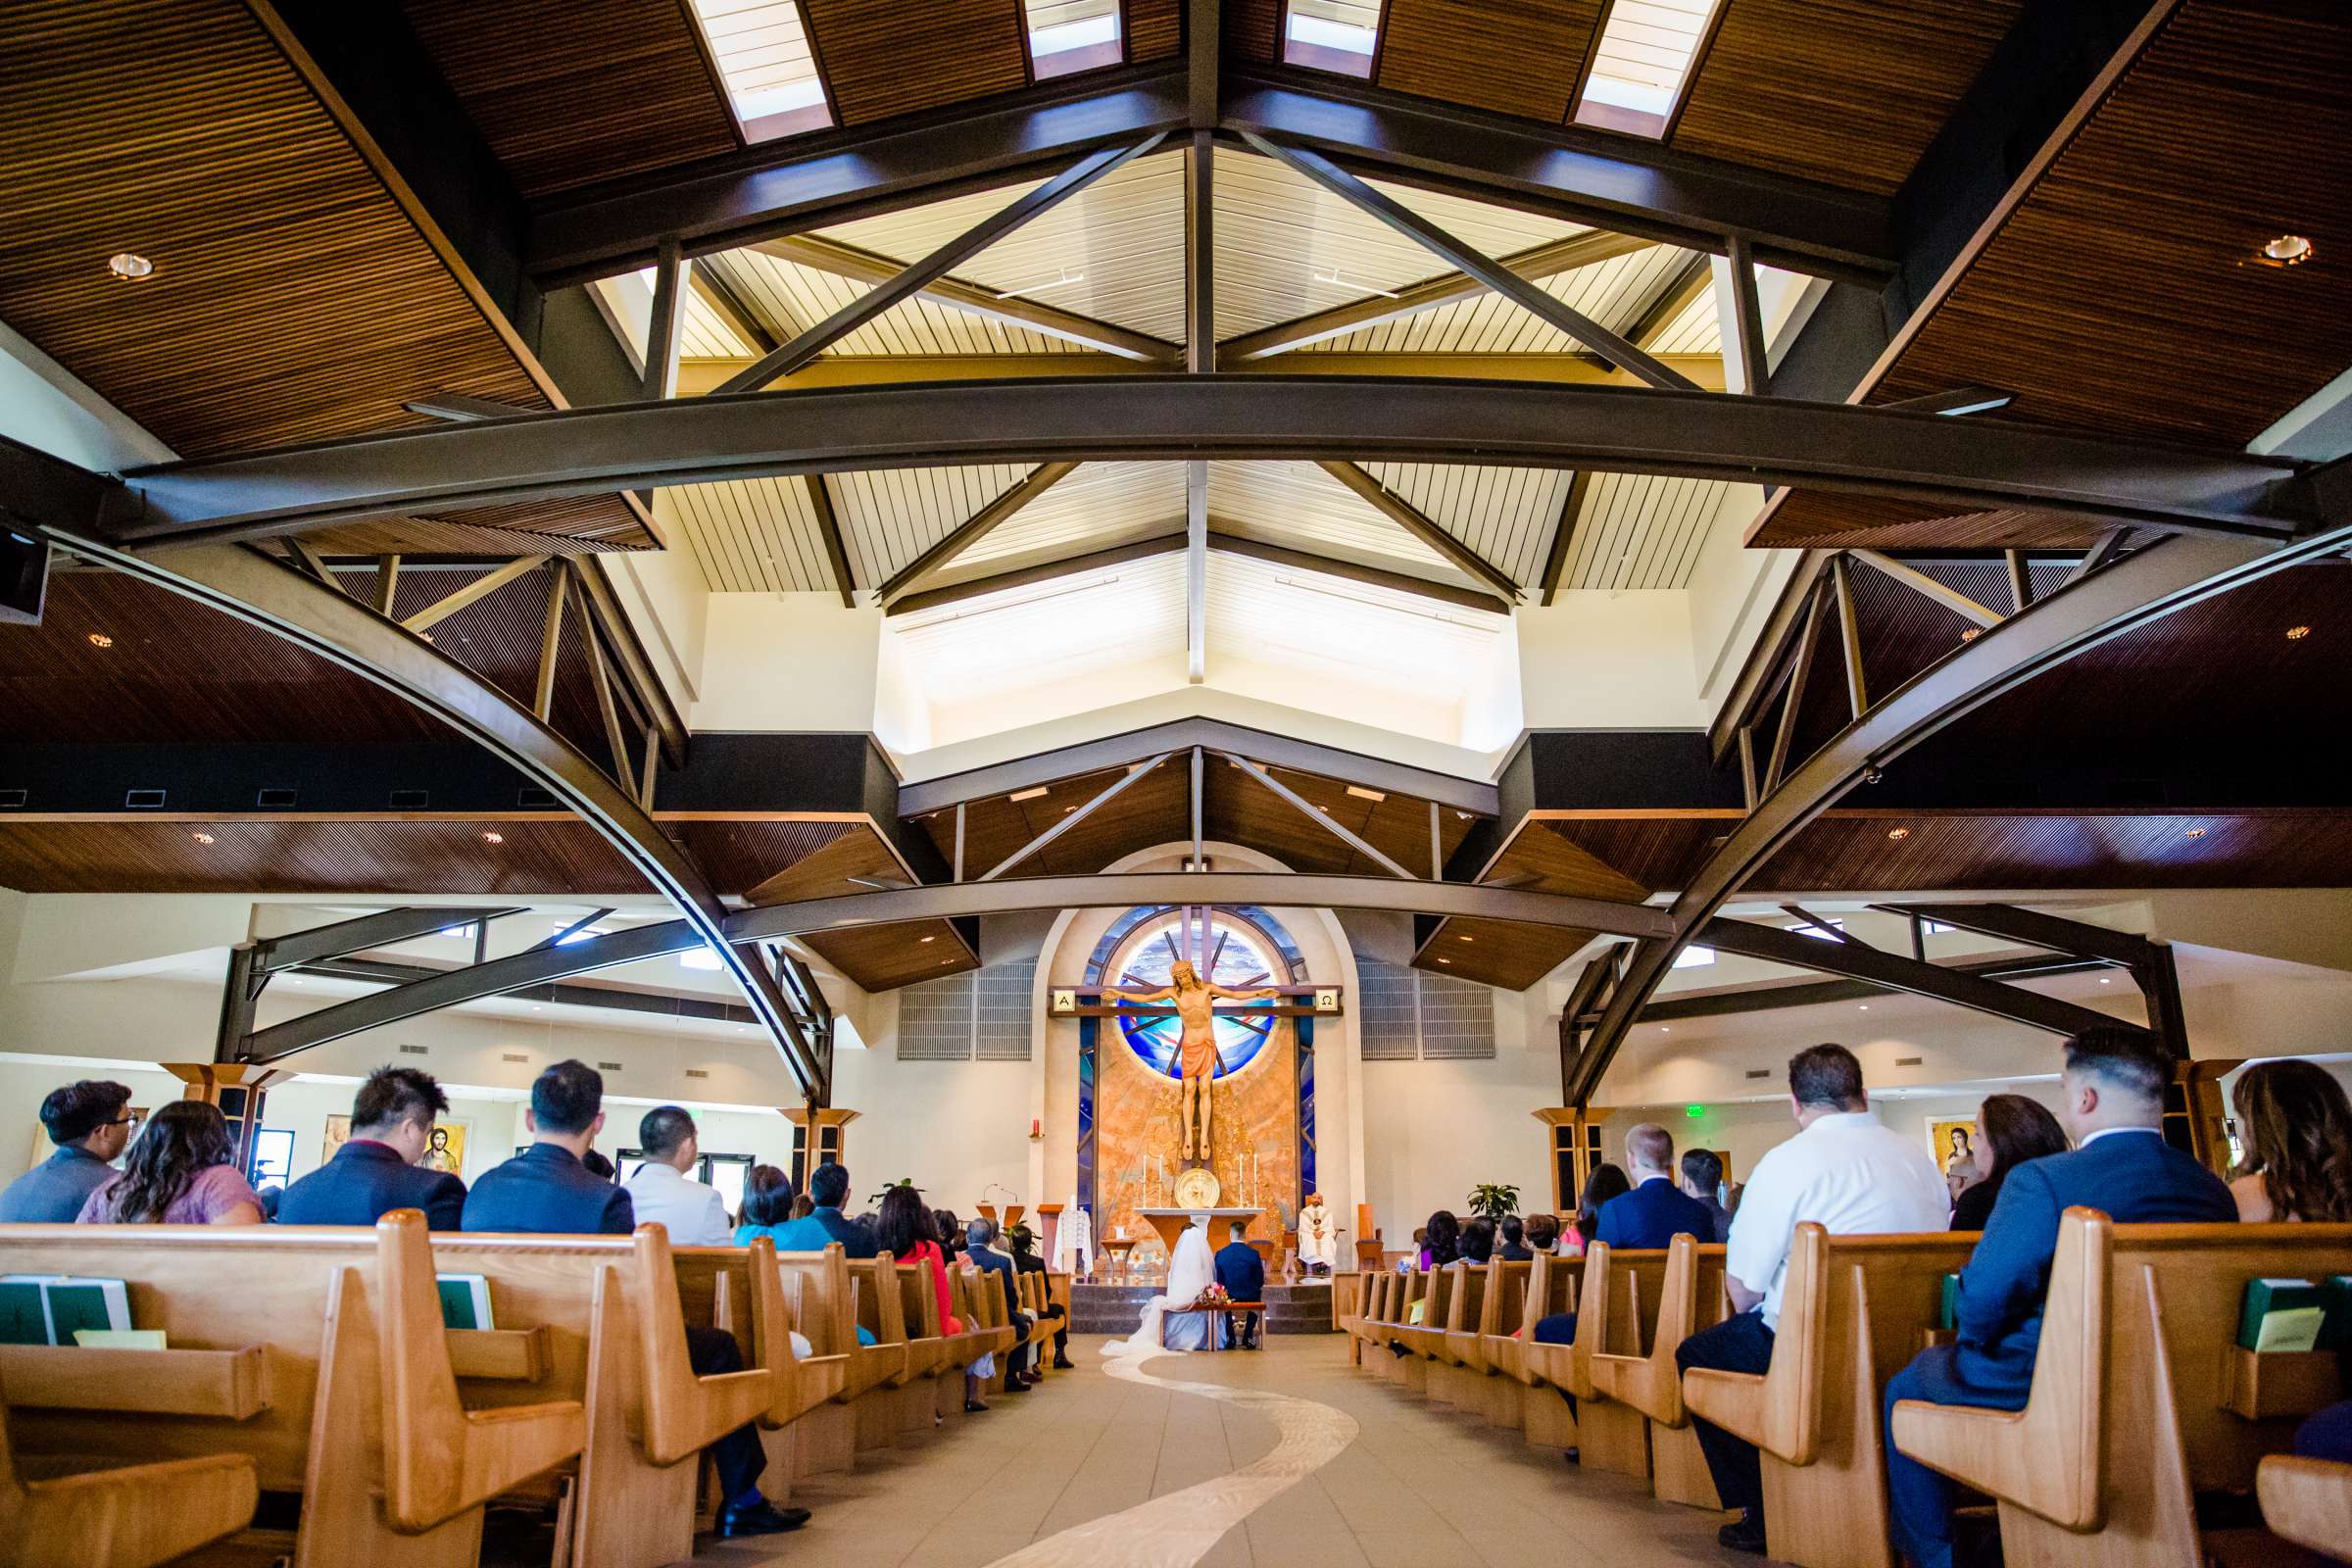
1191 1270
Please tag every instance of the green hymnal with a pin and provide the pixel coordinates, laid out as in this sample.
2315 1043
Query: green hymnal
465 1301
1947 1314
80 1304
24 1312
2281 1315
2336 1334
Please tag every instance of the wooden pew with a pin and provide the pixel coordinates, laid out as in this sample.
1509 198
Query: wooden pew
134 1516
907 1399
980 1299
1616 1309
1502 1304
1462 1372
1691 1298
2139 1398
1552 1282
741 1289
1853 1312
829 1310
2308 1502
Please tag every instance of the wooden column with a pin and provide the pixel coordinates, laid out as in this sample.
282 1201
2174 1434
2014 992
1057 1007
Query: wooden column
239 1090
819 1132
1575 1150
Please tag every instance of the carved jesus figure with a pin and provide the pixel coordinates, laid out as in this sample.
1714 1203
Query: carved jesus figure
1197 1057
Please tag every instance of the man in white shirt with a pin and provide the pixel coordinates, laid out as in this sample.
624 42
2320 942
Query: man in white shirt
1842 1170
696 1215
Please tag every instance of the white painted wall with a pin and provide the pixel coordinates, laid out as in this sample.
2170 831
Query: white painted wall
1597 660
787 661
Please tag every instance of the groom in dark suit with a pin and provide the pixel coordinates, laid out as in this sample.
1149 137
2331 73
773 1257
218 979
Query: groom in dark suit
1243 1273
2114 1087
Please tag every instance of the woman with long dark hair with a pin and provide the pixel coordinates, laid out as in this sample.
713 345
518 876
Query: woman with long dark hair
1444 1242
1478 1240
1608 1180
767 1197
181 1171
2010 1130
2296 1125
949 1231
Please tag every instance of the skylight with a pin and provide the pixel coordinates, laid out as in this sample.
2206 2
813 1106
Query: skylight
1332 35
1068 35
763 57
1639 66
1693 957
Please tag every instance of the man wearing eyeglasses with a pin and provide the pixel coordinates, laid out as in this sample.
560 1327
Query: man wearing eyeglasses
87 1123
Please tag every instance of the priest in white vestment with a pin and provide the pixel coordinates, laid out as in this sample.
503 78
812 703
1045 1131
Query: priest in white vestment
1318 1238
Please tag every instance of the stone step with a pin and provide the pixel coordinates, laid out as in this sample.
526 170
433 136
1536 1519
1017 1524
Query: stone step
1115 1310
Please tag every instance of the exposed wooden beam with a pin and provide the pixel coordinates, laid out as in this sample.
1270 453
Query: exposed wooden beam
695 377
1673 296
1199 249
1330 824
1167 544
1849 632
1411 519
823 254
912 278
1233 544
1563 533
1196 572
482 587
828 527
1740 314
977 526
1919 582
666 322
715 286
1534 263
1203 23
1799 677
1071 819
387 583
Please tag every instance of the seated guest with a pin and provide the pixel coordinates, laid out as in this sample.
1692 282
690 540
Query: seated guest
1441 1240
803 1207
1543 1233
2114 1085
659 1191
1478 1241
2010 1130
828 1190
182 1171
1647 1218
2298 1137
978 1232
1243 1273
1514 1241
1702 1177
1605 1186
950 1230
1413 1254
1842 1170
2328 1435
87 1124
768 1199
546 1190
904 1229
1026 1262
597 1166
375 1171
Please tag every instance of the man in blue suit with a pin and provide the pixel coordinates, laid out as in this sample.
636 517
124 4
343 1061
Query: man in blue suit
1243 1273
978 1232
375 1171
2114 1087
828 1190
1647 1219
546 1189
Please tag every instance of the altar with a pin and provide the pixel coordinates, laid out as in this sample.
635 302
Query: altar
1170 1223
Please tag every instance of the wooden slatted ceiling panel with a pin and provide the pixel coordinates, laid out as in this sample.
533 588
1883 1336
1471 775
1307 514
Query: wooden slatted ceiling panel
1848 92
1250 28
1275 230
1125 232
889 517
1641 530
1505 515
1872 522
1100 505
789 298
884 58
1698 330
1515 957
569 94
1610 292
2185 157
1154 28
292 299
1514 57
1299 505
755 536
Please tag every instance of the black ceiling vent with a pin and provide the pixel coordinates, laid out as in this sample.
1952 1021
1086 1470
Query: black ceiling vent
608 1066
411 800
275 799
696 1072
142 800
515 1056
1909 1061
415 1051
533 798
1759 1072
12 800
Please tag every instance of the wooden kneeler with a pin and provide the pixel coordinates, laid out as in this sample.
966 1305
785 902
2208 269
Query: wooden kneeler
1652 1383
133 1517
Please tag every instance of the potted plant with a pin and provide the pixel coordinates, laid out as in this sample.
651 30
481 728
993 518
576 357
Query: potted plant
1492 1200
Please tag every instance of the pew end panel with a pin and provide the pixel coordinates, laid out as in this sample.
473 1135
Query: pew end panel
136 1516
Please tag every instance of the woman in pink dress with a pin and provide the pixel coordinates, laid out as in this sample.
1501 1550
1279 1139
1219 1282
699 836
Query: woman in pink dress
181 1171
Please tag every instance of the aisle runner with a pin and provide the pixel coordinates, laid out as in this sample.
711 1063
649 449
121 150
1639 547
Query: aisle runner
1176 1531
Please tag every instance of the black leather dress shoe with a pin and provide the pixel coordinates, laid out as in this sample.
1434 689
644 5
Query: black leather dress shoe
1063 1363
974 1408
761 1518
1742 1535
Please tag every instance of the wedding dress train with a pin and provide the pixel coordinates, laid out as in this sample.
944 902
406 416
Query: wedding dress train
1191 1270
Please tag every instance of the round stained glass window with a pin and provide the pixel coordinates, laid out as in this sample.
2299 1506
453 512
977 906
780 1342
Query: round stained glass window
1233 954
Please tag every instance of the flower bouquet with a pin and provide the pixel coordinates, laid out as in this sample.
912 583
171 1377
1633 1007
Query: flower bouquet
1214 1296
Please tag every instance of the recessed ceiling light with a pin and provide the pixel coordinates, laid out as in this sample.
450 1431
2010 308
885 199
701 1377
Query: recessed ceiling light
1465 939
1899 834
202 838
1068 810
1026 795
1461 816
1865 1006
2106 979
99 639
2295 634
1971 634
494 838
2286 249
945 962
1363 793
1444 960
2195 833
132 265
930 939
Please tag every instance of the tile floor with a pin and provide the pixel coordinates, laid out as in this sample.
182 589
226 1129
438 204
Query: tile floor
1421 1486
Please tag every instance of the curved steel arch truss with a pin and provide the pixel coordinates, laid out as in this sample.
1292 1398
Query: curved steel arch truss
1967 465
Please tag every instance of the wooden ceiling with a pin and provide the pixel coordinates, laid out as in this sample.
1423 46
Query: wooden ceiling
2122 289
1513 57
1514 957
877 957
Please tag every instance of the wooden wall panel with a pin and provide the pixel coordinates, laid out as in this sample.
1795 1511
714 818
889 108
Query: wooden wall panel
881 957
895 57
1154 28
1512 955
1850 92
569 94
1514 57
1250 28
